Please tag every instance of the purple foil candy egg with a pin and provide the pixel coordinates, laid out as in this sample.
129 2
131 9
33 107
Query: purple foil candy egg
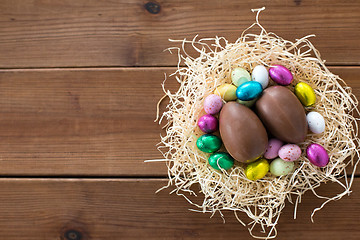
317 155
208 123
281 75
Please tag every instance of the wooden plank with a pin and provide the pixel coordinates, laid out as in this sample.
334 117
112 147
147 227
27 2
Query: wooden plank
124 33
80 122
87 122
129 209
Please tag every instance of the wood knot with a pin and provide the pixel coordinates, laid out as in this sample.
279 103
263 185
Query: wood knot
297 2
152 7
73 235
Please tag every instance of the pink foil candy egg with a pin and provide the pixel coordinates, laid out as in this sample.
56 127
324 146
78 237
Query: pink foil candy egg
317 155
290 152
281 75
272 149
213 104
208 123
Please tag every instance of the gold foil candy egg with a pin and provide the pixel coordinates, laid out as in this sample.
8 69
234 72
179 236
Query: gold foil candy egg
305 94
257 170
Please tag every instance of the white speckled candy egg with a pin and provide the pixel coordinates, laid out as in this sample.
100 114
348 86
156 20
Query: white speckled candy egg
290 152
213 104
315 122
279 167
240 76
260 74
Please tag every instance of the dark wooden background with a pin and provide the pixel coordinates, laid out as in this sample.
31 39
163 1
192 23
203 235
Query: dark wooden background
79 81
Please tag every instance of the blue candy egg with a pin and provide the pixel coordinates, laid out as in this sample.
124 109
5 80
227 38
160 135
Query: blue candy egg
249 91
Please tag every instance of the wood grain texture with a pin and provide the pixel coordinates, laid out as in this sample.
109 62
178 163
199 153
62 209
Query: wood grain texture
64 33
129 209
79 122
63 122
87 122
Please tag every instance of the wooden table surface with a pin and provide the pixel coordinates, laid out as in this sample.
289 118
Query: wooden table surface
79 81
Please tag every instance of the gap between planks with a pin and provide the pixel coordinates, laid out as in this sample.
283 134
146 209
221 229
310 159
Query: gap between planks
97 177
82 178
80 126
112 68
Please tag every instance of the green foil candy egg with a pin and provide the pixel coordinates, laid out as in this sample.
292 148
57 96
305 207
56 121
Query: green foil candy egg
222 160
208 143
305 94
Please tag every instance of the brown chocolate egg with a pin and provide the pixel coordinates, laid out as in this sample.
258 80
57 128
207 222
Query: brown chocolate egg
282 114
243 134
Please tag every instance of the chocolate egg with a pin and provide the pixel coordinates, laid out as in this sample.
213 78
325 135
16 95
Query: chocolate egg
282 114
243 134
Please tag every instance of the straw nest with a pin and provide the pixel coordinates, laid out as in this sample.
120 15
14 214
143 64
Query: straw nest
262 200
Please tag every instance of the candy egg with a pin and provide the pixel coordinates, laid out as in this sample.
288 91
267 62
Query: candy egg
290 152
305 94
242 132
279 167
226 92
247 103
240 76
257 170
281 75
315 122
249 91
282 114
317 155
208 123
272 150
221 160
213 104
260 74
208 143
